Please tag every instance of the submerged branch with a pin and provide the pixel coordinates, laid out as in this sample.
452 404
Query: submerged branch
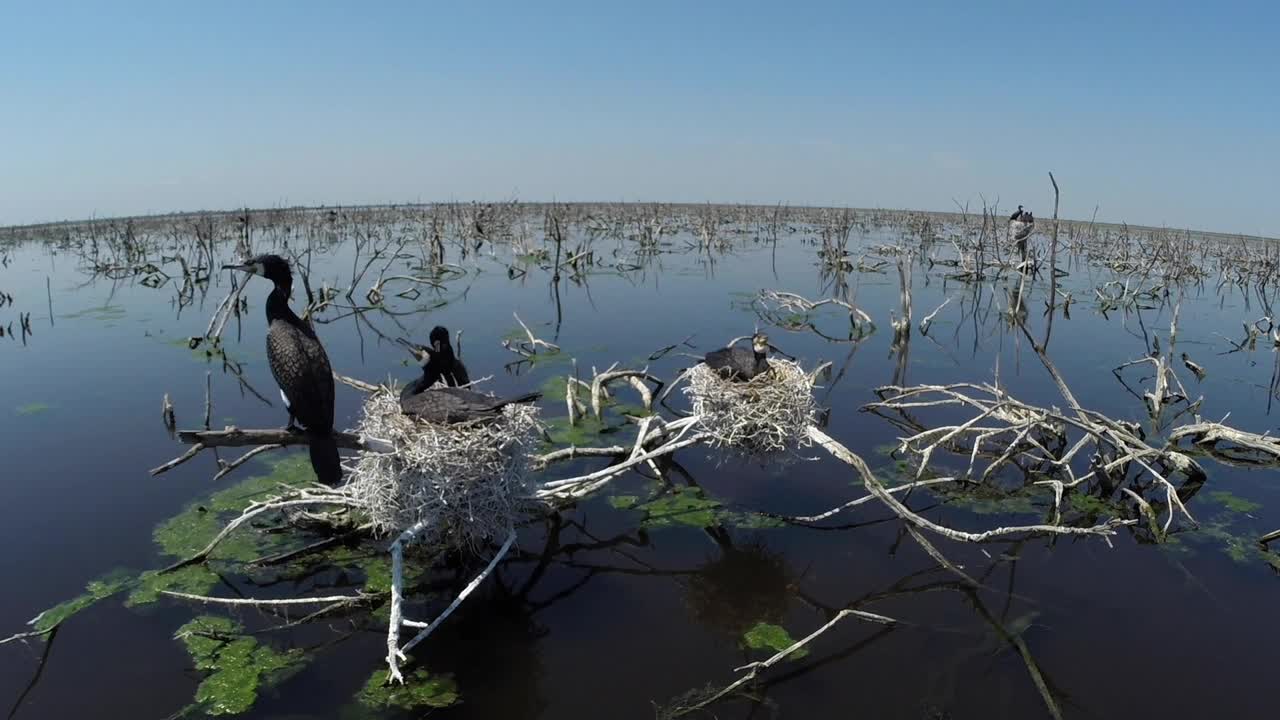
265 602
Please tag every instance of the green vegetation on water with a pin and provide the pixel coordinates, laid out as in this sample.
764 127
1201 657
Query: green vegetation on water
766 636
689 506
421 689
100 313
237 665
34 408
96 590
1233 502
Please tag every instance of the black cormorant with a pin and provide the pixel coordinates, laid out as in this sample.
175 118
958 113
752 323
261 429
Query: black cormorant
455 405
1017 214
740 363
300 367
438 363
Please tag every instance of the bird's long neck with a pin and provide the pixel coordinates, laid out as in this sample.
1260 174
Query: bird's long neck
420 384
433 371
278 305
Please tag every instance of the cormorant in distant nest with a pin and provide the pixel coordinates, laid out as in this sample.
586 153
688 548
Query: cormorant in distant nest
438 363
739 363
299 365
450 404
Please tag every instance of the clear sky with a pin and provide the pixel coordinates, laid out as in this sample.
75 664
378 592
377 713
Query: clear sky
1158 113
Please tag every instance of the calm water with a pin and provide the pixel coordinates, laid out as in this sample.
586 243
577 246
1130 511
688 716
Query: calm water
633 617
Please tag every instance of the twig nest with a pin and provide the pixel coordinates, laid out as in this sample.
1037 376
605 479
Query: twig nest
1020 230
468 483
764 416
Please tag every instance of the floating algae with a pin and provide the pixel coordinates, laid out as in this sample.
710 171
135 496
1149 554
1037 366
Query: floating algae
765 636
238 665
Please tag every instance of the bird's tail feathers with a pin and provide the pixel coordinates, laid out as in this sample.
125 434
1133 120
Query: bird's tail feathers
324 458
527 397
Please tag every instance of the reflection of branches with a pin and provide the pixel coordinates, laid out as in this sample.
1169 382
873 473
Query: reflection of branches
700 700
35 679
755 668
1015 640
839 375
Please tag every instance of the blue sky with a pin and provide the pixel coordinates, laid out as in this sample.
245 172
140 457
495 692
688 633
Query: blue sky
1156 113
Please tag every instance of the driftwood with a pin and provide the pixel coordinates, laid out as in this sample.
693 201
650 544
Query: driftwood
1004 430
873 484
1229 443
530 347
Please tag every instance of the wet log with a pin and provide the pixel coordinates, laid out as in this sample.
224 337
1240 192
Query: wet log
237 437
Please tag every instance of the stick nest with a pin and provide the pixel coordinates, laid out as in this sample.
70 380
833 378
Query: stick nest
762 417
468 483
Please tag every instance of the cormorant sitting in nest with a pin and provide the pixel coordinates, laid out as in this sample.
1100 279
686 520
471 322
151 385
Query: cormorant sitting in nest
438 363
455 405
1017 214
739 363
300 366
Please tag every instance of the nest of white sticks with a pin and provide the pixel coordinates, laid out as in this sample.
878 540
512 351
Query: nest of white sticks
466 484
762 417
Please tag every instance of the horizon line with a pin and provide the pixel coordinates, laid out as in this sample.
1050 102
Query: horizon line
423 204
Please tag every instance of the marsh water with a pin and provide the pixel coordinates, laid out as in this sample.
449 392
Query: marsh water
614 609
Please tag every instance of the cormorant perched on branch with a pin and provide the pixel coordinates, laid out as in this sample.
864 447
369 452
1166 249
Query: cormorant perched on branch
740 363
1021 215
438 363
300 366
455 405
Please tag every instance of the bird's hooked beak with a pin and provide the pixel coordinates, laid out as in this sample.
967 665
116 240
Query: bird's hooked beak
421 355
253 268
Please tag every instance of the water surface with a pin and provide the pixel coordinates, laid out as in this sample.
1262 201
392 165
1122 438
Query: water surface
624 617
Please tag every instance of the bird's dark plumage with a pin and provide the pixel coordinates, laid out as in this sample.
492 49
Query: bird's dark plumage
740 363
1023 216
455 405
300 367
438 364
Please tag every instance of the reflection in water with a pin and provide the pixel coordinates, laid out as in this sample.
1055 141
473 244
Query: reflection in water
492 646
743 585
